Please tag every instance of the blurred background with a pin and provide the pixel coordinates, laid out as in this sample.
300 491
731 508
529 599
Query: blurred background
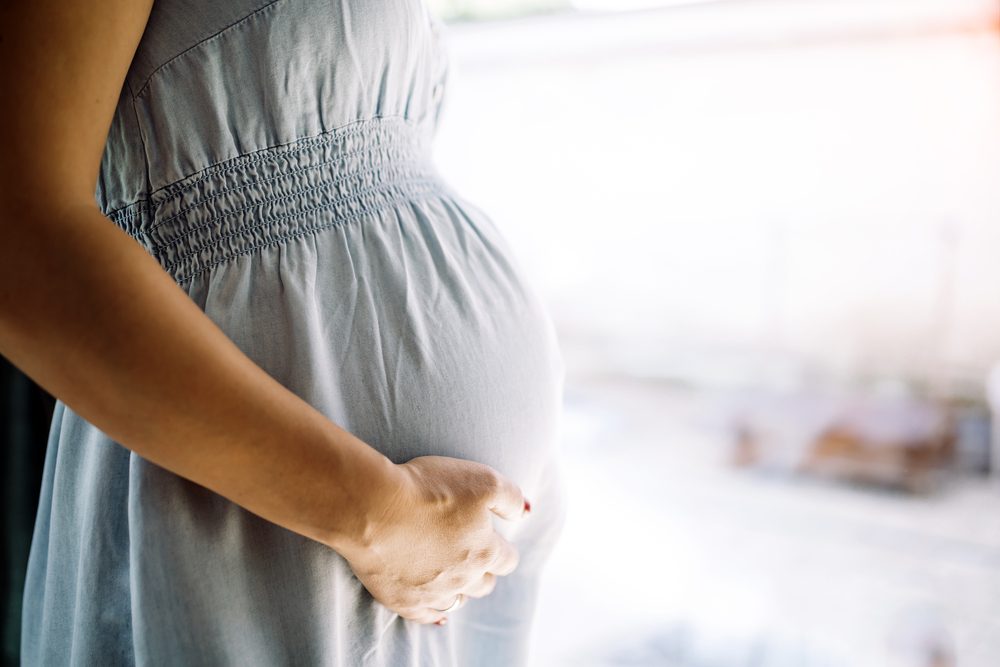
769 235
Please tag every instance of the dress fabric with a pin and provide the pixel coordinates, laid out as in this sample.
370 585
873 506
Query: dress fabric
275 158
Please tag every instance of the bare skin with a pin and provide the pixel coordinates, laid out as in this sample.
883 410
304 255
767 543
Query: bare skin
91 317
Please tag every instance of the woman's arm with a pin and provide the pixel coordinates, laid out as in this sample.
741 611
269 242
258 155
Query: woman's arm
88 314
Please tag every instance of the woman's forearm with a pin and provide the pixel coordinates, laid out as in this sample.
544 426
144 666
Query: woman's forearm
90 316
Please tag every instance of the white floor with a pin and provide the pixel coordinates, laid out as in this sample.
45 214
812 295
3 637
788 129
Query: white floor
671 558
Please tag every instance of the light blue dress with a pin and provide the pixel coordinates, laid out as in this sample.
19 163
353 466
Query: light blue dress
275 158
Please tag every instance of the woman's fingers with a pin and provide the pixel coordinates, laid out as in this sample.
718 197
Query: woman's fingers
506 559
442 507
425 615
505 563
508 500
483 587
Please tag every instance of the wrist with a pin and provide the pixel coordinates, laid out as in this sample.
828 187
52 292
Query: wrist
377 487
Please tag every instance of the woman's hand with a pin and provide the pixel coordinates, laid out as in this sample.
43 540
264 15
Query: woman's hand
435 537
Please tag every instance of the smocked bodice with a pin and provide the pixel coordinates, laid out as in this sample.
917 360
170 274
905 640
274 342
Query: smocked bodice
221 93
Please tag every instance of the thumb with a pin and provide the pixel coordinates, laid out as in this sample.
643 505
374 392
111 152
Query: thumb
509 502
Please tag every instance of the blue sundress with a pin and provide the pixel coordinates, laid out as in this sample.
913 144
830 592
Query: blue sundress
275 158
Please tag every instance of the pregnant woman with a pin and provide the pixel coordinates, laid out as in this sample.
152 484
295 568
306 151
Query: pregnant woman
305 393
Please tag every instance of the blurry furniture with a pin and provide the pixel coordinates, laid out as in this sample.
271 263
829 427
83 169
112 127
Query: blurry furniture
993 396
904 443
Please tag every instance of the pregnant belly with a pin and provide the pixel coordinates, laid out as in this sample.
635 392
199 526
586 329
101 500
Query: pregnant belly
413 329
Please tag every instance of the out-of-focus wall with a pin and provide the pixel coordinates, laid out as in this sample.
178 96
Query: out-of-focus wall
746 191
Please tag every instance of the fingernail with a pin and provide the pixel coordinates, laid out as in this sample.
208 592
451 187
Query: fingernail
441 621
527 506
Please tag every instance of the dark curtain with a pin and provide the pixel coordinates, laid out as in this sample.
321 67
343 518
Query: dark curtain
25 416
